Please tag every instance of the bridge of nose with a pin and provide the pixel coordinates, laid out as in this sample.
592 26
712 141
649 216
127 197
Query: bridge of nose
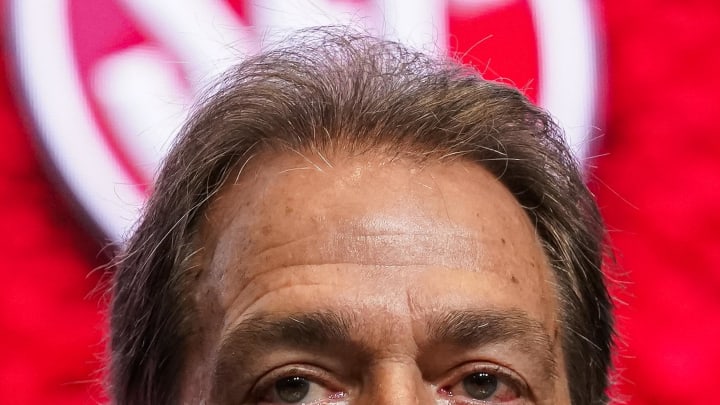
397 381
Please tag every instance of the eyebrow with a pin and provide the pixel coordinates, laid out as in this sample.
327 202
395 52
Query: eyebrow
265 332
304 330
317 331
477 328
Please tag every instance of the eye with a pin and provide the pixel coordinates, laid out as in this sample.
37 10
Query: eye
489 386
480 385
292 390
296 388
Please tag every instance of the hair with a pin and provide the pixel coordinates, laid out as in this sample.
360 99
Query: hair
336 88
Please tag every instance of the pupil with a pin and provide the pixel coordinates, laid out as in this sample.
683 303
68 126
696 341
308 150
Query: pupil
292 389
480 385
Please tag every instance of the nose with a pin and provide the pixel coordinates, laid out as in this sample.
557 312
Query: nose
396 383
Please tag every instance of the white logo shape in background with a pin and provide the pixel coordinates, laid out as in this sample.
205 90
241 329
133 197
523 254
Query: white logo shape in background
145 101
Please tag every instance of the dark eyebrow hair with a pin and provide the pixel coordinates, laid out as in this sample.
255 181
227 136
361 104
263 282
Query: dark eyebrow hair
265 332
294 329
475 328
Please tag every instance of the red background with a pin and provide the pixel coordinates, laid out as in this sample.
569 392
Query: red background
657 178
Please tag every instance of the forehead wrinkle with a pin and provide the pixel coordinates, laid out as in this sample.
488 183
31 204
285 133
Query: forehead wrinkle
470 249
380 249
380 240
383 245
402 230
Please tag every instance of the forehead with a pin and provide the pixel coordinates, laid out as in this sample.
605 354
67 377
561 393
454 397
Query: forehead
393 246
291 210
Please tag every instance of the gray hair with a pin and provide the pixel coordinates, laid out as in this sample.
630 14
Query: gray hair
333 88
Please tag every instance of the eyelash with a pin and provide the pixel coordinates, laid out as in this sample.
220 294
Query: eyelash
267 382
318 376
505 375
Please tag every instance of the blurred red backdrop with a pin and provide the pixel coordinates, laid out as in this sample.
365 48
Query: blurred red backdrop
656 176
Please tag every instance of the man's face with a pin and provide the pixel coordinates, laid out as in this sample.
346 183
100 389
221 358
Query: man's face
374 281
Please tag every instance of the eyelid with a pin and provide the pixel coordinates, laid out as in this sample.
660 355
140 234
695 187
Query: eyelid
506 374
312 373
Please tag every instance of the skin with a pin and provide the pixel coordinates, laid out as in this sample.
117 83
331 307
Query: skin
377 281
